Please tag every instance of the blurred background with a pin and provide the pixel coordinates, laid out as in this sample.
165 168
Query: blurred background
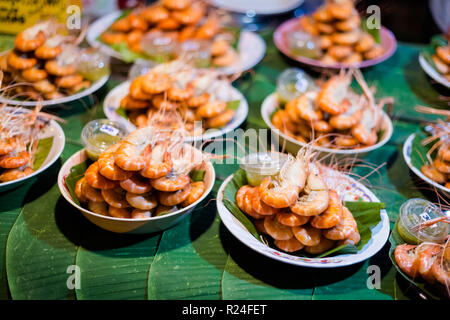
410 20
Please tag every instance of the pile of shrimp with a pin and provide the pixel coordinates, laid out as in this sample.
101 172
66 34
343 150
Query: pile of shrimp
42 63
442 61
333 115
145 175
337 26
180 20
18 131
437 169
175 95
428 261
298 209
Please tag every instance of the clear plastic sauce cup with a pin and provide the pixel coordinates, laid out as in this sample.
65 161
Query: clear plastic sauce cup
257 166
99 135
418 211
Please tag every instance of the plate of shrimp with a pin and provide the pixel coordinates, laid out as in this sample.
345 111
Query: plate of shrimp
21 132
176 95
303 209
433 151
45 65
145 183
435 60
335 31
230 50
333 115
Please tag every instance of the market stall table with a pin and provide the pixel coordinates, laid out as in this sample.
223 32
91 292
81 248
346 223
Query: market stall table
42 236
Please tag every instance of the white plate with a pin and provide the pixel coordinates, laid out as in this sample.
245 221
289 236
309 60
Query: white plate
257 7
407 149
52 129
112 102
271 103
94 87
433 72
133 226
380 232
251 46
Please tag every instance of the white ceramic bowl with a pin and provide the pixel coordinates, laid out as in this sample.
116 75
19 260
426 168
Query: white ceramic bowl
112 102
52 129
271 103
349 188
132 226
251 46
261 7
407 149
433 73
46 103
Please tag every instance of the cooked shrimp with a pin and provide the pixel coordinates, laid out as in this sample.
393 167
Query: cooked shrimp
33 37
352 239
209 29
158 163
441 267
340 52
365 43
198 100
20 63
331 96
171 182
115 197
365 131
79 192
341 10
90 193
442 166
34 74
244 201
108 168
325 42
220 120
276 230
119 212
7 146
291 219
174 198
444 152
276 195
98 207
176 4
180 94
96 180
407 259
44 86
14 174
433 174
187 33
191 14
307 23
322 14
113 37
306 107
54 68
332 214
427 255
69 81
143 201
349 24
80 86
140 214
307 235
219 47
348 38
136 184
136 89
129 156
325 28
45 52
168 24
376 51
155 13
130 103
260 207
163 210
226 59
121 25
14 159
349 118
197 190
211 109
444 53
324 245
281 121
259 225
353 58
316 199
290 245
137 23
343 229
154 83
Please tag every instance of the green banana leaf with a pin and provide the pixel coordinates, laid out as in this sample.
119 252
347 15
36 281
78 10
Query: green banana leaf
42 152
76 173
437 291
366 214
